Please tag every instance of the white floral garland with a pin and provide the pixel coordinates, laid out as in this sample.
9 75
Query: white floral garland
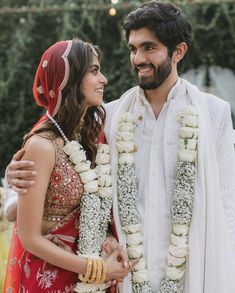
182 202
96 202
95 206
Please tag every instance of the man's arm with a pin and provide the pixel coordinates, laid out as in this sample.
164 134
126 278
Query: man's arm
18 173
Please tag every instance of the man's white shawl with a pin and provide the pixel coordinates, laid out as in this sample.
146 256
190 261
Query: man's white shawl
211 261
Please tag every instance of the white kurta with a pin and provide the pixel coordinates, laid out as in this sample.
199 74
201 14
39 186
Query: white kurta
154 204
157 143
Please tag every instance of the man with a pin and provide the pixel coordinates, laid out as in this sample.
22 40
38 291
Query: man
158 35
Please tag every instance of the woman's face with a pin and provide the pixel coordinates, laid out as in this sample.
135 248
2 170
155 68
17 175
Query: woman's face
93 83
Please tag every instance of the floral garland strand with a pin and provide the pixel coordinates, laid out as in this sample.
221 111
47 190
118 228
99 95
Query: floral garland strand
96 202
182 202
103 171
128 202
95 206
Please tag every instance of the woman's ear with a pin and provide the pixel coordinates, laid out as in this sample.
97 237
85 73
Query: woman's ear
180 51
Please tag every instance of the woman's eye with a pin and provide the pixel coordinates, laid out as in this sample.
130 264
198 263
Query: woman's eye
94 71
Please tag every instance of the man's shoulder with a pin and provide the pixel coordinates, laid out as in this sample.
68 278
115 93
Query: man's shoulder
210 99
215 101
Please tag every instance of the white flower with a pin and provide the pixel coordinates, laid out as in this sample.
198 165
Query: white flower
103 169
82 166
131 228
82 287
180 229
91 186
40 89
125 146
126 158
140 276
44 63
190 121
188 156
188 144
175 261
174 274
78 157
135 238
104 191
126 126
188 132
102 158
127 117
189 111
85 287
135 251
178 240
179 251
71 146
88 176
125 136
105 180
141 264
103 148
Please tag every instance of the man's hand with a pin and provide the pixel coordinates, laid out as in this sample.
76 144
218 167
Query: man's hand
19 173
109 245
118 266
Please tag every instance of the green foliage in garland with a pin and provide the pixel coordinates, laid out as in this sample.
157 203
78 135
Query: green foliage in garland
25 35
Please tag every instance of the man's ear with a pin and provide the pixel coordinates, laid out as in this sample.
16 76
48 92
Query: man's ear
180 51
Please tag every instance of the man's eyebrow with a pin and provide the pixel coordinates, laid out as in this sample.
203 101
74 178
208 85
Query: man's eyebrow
147 43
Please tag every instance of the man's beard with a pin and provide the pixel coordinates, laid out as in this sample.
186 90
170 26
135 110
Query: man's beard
156 80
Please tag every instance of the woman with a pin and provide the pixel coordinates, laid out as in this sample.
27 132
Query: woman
70 86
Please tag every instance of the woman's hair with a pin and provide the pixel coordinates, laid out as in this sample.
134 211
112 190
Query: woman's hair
168 23
73 116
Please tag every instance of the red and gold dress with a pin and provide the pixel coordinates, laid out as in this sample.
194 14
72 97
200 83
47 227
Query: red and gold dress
26 272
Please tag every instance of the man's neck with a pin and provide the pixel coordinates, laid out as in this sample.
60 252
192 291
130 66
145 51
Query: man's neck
158 97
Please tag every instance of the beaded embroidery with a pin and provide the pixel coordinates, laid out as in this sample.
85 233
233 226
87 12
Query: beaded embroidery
64 191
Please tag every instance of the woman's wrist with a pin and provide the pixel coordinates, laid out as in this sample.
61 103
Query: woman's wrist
95 271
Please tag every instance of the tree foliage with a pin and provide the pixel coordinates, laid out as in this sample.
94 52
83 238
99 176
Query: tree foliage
25 34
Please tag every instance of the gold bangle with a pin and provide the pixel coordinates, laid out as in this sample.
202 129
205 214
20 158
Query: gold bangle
104 271
88 270
94 271
99 271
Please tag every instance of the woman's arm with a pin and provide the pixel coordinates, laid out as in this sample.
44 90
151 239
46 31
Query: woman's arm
31 206
30 213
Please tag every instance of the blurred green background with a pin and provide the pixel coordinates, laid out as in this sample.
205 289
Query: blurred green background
29 27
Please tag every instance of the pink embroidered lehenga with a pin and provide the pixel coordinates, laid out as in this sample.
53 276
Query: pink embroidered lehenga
29 274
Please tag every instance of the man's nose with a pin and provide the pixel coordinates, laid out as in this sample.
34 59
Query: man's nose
139 58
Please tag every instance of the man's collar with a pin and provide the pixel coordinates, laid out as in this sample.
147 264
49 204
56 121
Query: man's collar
176 91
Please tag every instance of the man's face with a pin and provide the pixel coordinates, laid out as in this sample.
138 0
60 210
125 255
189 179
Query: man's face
149 59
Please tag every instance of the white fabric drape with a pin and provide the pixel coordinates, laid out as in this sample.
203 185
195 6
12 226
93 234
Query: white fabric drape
211 265
222 82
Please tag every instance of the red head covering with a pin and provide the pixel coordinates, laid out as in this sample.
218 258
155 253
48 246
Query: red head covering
51 78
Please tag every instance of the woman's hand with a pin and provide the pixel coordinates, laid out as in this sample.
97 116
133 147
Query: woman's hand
118 266
19 173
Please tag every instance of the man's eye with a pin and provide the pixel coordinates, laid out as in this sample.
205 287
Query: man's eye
133 50
148 48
